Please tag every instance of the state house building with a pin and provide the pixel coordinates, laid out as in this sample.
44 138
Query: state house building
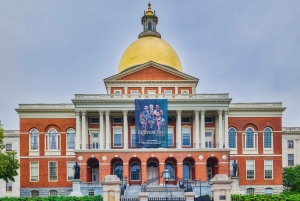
106 134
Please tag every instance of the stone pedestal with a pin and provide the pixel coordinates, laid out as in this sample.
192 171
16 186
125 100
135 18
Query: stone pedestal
143 196
76 188
111 188
235 186
221 187
189 196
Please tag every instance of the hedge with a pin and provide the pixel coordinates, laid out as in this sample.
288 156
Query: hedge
54 198
279 197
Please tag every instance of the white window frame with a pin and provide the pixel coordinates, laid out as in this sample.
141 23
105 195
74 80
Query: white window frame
94 139
292 144
212 138
151 93
56 151
121 129
68 170
34 152
253 150
38 171
272 169
186 127
93 122
67 139
117 118
134 93
171 128
233 150
288 160
168 93
132 128
253 170
49 171
268 150
184 92
212 119
8 185
117 92
10 147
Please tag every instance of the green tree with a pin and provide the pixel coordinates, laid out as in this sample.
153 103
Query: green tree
9 163
291 178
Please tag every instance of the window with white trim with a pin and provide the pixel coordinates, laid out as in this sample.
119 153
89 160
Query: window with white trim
268 138
117 92
9 185
117 135
187 170
94 120
94 139
232 138
53 141
184 92
290 144
8 147
135 172
250 191
70 171
249 138
170 136
34 139
91 192
133 137
34 171
208 140
250 169
52 171
167 93
290 159
268 169
170 167
186 136
71 139
117 120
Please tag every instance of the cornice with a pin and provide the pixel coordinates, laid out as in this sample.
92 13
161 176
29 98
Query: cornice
150 81
262 109
183 101
45 110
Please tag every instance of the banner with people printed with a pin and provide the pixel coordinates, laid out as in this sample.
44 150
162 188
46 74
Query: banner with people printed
151 123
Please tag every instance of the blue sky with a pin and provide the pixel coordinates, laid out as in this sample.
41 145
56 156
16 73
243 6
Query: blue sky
51 50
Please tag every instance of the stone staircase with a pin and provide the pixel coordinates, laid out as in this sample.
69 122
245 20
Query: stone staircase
155 191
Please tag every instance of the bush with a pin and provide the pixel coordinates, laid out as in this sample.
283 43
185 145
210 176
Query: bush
55 198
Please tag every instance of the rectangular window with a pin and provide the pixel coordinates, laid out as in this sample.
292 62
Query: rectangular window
134 92
250 169
290 144
34 171
186 137
231 168
71 141
208 120
70 170
167 91
94 140
268 169
8 147
117 137
170 136
208 139
52 171
133 138
186 120
290 159
9 185
117 120
94 120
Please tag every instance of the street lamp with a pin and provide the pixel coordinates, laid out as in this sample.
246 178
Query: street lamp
166 175
195 180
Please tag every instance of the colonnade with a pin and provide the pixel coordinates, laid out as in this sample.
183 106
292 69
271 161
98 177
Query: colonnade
81 139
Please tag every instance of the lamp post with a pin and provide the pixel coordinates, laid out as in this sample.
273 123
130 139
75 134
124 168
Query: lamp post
195 180
166 176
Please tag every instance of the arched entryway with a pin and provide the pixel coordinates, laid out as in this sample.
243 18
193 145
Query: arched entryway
188 169
171 165
92 170
211 167
117 167
135 171
153 170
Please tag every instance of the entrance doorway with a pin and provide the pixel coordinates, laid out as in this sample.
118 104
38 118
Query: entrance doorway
152 172
209 171
95 173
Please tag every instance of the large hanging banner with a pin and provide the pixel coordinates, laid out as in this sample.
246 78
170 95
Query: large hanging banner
151 123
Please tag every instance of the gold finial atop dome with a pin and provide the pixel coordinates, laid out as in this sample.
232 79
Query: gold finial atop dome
149 12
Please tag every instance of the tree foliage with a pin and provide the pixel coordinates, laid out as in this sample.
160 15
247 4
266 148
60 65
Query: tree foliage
291 178
9 163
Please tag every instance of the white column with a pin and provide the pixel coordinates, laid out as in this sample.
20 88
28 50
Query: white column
197 141
125 90
83 134
107 133
226 128
176 90
178 129
125 112
101 129
108 90
159 90
220 129
143 90
78 130
202 128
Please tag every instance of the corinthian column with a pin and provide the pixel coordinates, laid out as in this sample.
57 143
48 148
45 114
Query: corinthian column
197 128
107 133
83 136
125 112
202 127
220 129
178 129
101 124
78 130
226 128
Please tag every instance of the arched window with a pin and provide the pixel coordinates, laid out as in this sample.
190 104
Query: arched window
187 173
118 170
135 171
71 138
149 26
34 193
52 139
267 138
34 139
232 138
170 167
53 193
249 138
250 190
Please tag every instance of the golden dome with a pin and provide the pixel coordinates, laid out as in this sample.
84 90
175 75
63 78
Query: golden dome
149 48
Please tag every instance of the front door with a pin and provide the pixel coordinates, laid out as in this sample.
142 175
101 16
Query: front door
152 172
209 171
95 173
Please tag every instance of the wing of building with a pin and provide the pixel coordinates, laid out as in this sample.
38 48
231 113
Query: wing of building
150 119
